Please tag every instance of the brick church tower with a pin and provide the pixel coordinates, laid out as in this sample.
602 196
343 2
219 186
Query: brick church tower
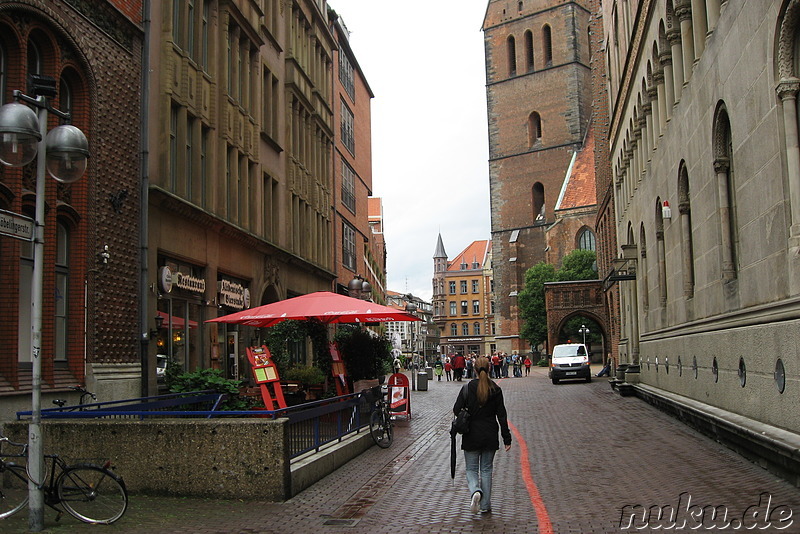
539 91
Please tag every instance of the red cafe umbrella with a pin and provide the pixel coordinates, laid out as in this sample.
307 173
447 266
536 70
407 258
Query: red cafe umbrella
323 306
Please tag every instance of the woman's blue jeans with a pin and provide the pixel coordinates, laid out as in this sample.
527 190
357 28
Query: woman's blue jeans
479 466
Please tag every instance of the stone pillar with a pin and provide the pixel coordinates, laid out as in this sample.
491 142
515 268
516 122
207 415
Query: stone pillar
699 26
684 14
787 91
721 166
674 38
662 267
659 93
668 82
712 14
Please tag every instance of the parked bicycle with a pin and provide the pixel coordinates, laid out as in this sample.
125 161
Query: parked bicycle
380 420
85 395
89 492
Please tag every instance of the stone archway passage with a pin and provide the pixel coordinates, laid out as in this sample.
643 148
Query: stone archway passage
566 299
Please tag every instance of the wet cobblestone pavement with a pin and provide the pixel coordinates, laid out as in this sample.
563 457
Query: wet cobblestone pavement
593 455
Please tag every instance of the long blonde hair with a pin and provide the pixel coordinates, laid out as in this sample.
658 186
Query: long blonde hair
485 384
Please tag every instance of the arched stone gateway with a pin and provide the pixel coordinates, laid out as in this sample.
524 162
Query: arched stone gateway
565 300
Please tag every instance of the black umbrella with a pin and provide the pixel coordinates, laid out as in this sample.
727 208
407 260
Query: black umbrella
452 453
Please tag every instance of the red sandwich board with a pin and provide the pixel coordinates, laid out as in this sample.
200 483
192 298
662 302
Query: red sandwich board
399 400
265 373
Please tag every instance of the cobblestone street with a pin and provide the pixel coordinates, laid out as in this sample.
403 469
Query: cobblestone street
593 454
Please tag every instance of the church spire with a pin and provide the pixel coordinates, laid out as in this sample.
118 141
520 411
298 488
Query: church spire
440 253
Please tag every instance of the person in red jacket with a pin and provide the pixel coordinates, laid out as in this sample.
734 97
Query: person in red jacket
527 364
459 363
496 366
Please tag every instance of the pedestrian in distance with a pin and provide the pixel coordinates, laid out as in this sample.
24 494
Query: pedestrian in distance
396 365
527 364
484 401
459 364
438 368
496 367
448 371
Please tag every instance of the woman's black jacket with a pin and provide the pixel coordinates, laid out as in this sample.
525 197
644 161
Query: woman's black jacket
483 421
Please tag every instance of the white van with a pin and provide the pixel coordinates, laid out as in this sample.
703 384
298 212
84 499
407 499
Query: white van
570 360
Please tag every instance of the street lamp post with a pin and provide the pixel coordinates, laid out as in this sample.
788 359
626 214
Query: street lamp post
583 330
62 153
358 288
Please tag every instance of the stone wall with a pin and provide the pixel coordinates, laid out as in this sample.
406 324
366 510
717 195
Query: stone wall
223 458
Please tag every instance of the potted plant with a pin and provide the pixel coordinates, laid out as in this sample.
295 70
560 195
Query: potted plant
310 380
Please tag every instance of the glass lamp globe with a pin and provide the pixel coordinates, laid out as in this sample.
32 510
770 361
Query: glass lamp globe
67 151
19 135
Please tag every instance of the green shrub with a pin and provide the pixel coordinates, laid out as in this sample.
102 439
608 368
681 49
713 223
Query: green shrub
544 362
204 380
305 375
365 355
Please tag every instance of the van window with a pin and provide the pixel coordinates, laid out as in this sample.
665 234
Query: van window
565 351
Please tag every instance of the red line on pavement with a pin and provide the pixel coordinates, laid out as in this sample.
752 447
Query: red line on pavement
545 527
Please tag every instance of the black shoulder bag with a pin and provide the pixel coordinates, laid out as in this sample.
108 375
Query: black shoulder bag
461 421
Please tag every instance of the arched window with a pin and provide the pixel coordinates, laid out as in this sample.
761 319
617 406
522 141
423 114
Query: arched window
547 46
723 167
62 290
586 240
537 194
511 49
661 255
529 51
642 270
534 128
476 329
453 329
465 329
687 248
34 58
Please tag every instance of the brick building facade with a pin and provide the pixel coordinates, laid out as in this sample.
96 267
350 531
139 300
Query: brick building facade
539 105
94 52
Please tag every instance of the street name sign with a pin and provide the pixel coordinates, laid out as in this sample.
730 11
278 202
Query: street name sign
14 225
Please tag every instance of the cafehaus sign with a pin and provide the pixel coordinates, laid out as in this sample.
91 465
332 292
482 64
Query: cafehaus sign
233 295
461 339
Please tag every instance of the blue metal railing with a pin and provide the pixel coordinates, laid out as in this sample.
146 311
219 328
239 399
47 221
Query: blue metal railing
309 427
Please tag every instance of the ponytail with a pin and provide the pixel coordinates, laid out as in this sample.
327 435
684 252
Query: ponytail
485 384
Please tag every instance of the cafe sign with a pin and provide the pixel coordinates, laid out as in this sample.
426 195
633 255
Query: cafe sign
233 295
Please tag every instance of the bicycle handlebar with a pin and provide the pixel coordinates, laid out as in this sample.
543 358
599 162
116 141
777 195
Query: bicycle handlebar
14 444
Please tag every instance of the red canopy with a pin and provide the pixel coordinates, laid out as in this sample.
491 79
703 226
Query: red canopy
324 306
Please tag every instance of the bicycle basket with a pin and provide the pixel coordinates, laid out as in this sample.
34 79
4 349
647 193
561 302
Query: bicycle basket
373 394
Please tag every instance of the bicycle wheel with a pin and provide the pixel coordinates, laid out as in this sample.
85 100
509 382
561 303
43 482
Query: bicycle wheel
92 494
13 489
380 427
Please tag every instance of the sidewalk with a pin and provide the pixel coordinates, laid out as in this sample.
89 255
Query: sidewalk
591 451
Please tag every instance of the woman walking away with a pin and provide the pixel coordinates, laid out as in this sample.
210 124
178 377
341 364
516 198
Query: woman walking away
484 401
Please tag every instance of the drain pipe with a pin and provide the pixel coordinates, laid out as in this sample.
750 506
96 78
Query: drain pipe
144 210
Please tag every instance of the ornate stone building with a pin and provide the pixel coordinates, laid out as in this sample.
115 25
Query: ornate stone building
704 151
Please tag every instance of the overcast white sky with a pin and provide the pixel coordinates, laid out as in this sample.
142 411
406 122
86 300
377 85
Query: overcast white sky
424 61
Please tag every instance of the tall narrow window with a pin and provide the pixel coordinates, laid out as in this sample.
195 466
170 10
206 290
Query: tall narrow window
348 187
529 50
34 58
189 171
190 31
348 246
723 167
534 128
204 34
547 46
511 49
173 148
453 310
476 329
464 329
453 329
204 162
177 21
687 248
346 76
537 195
62 291
347 130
